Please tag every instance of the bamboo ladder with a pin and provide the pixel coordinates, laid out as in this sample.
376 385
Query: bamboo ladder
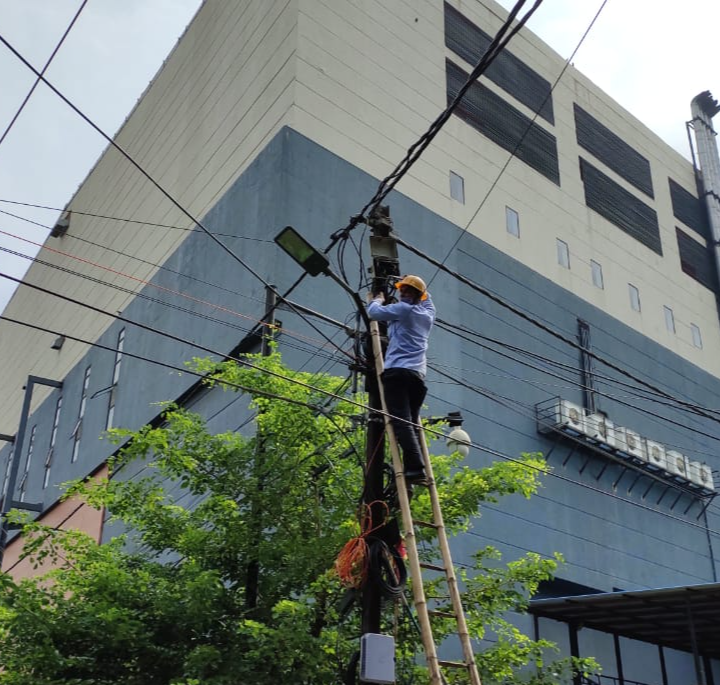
416 566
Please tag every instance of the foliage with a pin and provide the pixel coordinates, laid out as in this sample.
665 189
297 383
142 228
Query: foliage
225 572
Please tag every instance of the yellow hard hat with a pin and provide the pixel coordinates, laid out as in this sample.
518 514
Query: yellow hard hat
414 282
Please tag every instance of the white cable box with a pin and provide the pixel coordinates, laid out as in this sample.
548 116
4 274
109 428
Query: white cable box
377 658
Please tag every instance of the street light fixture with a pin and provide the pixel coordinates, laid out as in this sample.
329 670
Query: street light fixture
302 251
315 263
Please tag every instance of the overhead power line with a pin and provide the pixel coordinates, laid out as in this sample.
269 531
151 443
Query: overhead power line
449 327
117 218
149 177
160 267
173 367
42 73
331 395
498 43
168 335
556 334
154 182
291 304
150 284
496 453
649 396
314 351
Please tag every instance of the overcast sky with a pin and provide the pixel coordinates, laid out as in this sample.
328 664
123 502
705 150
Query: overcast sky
652 57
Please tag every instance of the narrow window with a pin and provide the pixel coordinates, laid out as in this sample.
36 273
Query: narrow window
634 297
53 440
597 274
77 431
115 379
563 253
512 222
669 319
31 447
7 470
457 187
697 338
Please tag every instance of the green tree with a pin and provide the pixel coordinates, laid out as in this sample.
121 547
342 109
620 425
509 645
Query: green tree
170 602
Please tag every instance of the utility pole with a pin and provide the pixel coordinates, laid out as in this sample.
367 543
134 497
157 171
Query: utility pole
373 486
383 250
252 585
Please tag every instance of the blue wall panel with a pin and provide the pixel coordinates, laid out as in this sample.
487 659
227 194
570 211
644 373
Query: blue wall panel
611 534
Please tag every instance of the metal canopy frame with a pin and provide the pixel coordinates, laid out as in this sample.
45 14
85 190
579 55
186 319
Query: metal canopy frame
686 618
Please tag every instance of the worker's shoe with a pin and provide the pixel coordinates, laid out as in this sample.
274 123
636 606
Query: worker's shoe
415 476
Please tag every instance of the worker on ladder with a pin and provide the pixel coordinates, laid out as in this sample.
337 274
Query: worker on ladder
409 323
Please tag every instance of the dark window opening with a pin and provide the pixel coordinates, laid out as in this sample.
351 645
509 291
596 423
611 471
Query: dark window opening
620 207
509 128
470 42
612 151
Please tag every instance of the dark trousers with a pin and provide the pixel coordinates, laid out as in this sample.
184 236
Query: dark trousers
404 395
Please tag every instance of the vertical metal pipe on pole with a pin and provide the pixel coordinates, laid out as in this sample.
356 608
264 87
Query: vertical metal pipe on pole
574 647
663 667
373 487
699 670
252 585
373 497
618 659
704 107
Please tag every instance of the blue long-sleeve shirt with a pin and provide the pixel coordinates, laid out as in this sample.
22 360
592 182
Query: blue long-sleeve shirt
408 331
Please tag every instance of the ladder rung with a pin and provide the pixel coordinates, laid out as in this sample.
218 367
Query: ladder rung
432 567
441 614
426 524
452 664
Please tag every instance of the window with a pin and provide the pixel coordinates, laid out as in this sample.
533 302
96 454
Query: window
77 431
457 187
597 274
512 222
115 379
53 440
563 253
669 319
696 337
28 460
6 479
634 297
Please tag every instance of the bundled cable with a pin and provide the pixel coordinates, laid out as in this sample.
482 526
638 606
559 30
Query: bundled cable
353 561
387 568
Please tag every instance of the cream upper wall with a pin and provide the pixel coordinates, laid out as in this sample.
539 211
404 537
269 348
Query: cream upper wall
371 78
222 94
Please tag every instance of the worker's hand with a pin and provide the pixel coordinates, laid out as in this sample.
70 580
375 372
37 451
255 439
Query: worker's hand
376 296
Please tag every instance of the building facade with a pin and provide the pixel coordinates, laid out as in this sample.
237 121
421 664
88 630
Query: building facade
586 228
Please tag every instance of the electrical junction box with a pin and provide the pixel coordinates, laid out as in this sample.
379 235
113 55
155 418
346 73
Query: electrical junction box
377 658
